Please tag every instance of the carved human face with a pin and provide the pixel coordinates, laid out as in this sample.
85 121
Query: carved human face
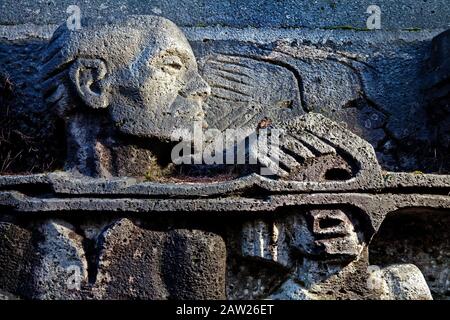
160 89
329 234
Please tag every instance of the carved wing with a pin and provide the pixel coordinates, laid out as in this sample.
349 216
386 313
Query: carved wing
245 90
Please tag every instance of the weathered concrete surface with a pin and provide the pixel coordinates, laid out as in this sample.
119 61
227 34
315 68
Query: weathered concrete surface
292 13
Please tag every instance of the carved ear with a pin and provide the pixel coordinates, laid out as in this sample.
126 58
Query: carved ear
88 76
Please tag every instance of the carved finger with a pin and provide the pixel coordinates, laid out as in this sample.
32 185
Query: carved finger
287 161
224 75
317 144
271 166
296 147
231 70
225 93
234 60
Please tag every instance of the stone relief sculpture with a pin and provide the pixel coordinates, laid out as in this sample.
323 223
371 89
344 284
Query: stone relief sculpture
323 248
136 79
121 89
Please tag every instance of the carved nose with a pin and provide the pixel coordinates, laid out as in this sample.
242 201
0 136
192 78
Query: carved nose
198 88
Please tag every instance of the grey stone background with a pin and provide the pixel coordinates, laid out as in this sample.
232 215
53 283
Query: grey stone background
401 14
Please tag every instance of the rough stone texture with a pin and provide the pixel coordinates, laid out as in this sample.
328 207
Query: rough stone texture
141 83
351 77
294 13
437 89
346 109
17 253
61 263
352 80
129 262
418 237
24 122
135 263
404 282
335 285
332 245
196 263
7 296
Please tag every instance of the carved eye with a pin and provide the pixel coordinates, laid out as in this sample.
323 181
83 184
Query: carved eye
172 64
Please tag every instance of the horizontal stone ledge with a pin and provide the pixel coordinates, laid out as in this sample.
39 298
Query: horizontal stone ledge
378 204
338 35
62 184
399 14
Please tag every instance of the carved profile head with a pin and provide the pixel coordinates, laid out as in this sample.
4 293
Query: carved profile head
140 72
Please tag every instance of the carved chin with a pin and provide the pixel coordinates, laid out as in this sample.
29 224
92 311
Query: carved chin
139 122
341 248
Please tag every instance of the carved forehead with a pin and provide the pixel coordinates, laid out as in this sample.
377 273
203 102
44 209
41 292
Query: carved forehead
164 37
158 32
117 42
